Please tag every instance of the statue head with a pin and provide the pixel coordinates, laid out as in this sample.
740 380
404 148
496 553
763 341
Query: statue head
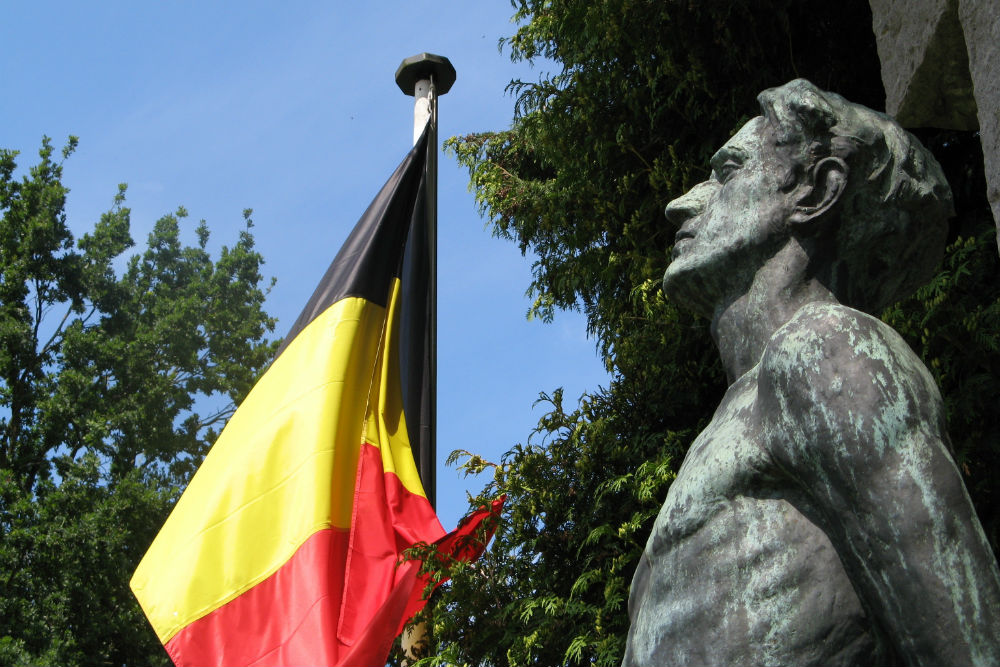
861 196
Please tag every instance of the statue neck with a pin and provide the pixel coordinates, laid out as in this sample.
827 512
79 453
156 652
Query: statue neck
743 325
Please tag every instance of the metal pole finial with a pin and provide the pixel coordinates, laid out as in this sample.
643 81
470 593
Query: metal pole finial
425 66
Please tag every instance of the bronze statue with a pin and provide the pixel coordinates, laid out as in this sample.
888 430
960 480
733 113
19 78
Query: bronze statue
820 518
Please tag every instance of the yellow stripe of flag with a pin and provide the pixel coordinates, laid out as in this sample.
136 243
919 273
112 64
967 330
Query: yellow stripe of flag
265 486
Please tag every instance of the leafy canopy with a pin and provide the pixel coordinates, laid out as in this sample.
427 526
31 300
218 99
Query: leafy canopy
113 384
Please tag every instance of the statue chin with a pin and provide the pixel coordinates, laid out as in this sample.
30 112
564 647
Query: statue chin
683 288
671 289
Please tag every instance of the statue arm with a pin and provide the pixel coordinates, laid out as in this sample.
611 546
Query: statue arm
853 416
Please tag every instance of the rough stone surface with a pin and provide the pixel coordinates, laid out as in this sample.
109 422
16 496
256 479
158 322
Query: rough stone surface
981 22
819 519
925 69
941 68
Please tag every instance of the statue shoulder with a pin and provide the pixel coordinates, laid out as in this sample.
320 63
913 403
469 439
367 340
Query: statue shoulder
831 367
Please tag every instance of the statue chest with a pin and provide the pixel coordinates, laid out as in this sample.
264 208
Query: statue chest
734 556
725 462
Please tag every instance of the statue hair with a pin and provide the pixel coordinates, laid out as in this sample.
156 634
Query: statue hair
894 210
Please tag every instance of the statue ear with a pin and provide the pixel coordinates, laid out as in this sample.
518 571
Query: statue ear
819 193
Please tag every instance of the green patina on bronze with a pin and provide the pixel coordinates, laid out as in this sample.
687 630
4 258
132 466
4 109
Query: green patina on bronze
819 519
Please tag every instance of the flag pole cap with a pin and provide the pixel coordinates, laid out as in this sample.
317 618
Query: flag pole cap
422 66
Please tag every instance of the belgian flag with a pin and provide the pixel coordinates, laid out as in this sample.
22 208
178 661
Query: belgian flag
286 547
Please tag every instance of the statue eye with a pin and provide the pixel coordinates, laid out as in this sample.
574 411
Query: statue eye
724 171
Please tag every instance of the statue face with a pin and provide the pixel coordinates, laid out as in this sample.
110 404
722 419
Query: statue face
730 224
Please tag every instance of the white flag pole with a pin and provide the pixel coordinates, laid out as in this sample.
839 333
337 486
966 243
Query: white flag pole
426 76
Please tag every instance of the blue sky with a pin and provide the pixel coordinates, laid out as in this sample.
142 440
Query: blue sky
291 109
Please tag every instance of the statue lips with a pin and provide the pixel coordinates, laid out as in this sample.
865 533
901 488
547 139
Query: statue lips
682 235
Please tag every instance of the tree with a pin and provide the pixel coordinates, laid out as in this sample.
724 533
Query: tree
641 95
104 379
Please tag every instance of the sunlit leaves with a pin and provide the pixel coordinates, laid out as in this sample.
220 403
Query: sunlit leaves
116 373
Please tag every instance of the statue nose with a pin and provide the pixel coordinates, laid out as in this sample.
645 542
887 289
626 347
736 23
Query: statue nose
688 205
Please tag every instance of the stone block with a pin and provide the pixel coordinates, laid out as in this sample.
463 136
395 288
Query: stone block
925 68
980 21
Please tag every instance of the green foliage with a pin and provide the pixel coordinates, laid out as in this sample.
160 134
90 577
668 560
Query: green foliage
101 379
640 95
564 520
77 543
